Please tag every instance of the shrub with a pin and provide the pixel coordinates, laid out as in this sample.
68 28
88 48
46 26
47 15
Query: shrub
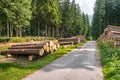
109 43
110 59
18 40
5 39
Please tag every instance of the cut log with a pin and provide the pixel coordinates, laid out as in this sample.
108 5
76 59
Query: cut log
58 45
45 47
8 55
25 51
28 44
51 43
111 33
74 40
55 47
81 38
66 43
51 49
28 47
31 57
65 46
47 50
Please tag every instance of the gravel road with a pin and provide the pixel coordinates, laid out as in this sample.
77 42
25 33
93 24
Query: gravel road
79 64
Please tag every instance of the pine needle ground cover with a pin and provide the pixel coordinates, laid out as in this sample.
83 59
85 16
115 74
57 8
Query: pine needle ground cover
110 59
15 71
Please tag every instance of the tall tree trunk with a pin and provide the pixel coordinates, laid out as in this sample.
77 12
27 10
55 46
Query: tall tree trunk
49 31
53 32
8 29
0 32
57 32
17 31
46 28
38 27
11 30
20 32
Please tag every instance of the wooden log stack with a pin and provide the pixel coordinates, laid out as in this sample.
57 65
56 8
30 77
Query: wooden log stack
111 33
32 49
70 41
80 38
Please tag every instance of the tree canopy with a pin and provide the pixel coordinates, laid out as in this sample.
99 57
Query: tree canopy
50 18
106 12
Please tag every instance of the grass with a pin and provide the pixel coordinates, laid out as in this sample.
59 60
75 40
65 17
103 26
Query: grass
1 49
13 71
110 59
23 39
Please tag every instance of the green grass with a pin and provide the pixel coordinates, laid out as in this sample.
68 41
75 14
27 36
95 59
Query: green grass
23 39
1 49
110 59
13 71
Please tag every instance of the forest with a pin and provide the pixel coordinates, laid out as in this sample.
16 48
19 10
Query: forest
50 18
106 12
38 32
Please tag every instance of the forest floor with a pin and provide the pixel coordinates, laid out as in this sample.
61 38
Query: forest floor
80 64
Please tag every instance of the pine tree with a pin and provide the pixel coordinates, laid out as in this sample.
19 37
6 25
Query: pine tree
98 19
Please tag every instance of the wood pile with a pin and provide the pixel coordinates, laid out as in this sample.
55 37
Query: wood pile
111 33
70 41
32 49
81 38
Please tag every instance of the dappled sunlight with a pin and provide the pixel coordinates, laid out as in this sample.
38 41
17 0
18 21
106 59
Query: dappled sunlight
76 64
87 49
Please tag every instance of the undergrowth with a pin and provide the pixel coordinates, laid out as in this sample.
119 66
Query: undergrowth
110 59
23 39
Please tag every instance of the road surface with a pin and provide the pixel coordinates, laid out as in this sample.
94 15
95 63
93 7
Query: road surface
79 64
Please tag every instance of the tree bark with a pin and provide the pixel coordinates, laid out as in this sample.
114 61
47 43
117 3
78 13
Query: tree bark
53 32
17 32
27 47
38 26
49 31
57 32
24 51
20 32
8 30
11 29
46 30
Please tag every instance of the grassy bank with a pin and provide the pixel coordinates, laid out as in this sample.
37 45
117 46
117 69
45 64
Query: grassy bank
110 59
13 71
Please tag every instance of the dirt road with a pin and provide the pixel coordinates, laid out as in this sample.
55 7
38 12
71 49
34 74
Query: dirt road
79 64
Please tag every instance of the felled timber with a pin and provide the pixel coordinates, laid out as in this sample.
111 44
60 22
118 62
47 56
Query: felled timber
111 33
74 40
81 38
24 51
67 43
27 47
33 50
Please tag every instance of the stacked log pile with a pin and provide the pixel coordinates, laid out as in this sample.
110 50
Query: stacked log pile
70 41
35 49
81 38
32 49
111 33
